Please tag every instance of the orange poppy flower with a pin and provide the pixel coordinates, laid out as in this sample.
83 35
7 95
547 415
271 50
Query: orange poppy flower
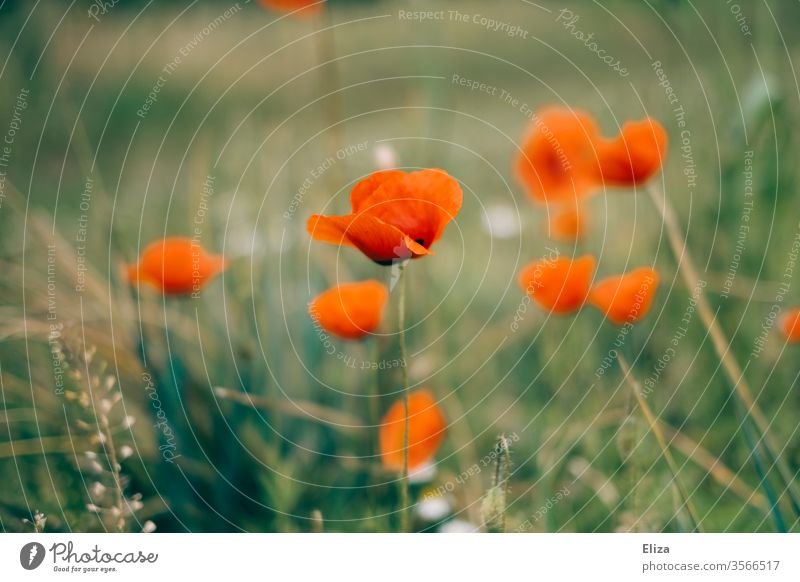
395 215
426 426
568 223
635 155
558 162
559 285
350 310
626 298
176 266
790 325
304 7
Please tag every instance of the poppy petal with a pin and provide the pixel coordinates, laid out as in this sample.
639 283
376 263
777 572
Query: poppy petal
366 187
351 310
303 7
176 266
634 156
426 427
559 285
381 242
558 159
790 325
568 223
626 298
420 204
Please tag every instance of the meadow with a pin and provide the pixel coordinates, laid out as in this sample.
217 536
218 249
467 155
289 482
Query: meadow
229 408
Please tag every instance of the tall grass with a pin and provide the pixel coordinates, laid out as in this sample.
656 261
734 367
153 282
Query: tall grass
250 424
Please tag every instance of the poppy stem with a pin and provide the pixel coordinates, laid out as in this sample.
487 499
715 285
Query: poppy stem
652 422
375 398
752 412
405 509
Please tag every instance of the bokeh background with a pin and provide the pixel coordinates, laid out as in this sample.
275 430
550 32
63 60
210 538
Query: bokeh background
115 143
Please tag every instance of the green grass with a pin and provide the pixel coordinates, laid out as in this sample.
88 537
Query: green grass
260 125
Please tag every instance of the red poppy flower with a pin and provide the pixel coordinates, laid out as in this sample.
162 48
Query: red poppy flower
176 266
790 325
304 7
426 426
350 310
558 162
635 155
395 215
568 222
559 285
626 298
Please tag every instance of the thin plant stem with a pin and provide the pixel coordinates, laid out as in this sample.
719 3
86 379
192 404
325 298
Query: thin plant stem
301 409
630 459
713 466
325 48
375 385
774 505
720 341
662 442
405 509
119 497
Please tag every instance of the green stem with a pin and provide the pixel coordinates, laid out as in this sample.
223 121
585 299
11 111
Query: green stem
405 509
374 413
722 344
325 48
662 444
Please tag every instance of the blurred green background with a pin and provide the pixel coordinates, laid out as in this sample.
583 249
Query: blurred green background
257 104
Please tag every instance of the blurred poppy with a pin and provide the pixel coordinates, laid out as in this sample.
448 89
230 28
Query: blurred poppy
350 310
558 162
626 298
304 7
176 266
635 155
558 285
790 325
426 426
395 215
568 222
